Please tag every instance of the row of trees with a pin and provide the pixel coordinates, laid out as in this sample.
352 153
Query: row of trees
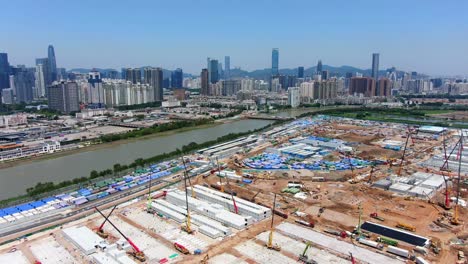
155 129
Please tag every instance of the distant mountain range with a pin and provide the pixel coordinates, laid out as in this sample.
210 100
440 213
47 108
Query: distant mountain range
263 73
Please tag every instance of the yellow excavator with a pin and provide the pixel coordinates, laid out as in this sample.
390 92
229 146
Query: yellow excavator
270 244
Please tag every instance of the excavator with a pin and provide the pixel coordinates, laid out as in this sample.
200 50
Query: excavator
304 258
270 244
136 253
205 259
100 230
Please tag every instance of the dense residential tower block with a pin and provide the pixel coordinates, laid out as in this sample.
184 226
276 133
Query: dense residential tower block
63 97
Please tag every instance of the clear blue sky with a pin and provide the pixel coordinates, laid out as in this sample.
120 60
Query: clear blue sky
427 36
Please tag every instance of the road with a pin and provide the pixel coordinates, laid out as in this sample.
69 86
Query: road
87 209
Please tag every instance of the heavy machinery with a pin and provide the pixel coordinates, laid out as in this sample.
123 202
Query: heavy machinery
353 261
455 220
358 228
376 216
100 229
187 226
181 248
236 210
205 259
190 182
406 226
320 211
404 152
219 171
270 244
253 197
304 258
136 253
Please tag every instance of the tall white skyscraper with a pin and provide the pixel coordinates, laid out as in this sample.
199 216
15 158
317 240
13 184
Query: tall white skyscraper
294 96
40 81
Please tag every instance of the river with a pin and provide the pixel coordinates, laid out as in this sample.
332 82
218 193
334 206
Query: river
15 180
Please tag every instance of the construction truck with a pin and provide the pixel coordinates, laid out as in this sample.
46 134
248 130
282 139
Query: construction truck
181 248
406 226
376 216
100 230
304 258
136 253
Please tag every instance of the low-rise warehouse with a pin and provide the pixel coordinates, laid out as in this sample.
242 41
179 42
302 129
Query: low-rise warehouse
83 238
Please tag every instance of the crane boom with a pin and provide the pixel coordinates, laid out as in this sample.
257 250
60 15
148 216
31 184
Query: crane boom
187 228
105 219
120 232
404 152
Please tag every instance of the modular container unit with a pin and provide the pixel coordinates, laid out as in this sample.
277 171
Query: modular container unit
179 209
209 231
203 220
168 212
420 260
398 251
245 207
370 243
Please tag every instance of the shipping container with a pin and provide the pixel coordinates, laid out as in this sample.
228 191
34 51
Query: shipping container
420 260
370 243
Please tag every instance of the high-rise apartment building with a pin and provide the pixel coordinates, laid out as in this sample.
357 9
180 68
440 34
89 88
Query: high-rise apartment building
4 71
133 75
275 61
95 90
300 72
325 75
205 83
156 84
294 96
177 78
230 87
63 97
45 70
362 85
227 67
384 87
375 66
214 74
24 82
40 82
52 63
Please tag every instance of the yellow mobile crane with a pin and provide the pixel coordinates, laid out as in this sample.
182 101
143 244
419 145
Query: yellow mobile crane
186 227
269 244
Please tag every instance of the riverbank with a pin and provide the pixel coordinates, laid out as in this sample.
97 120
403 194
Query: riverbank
104 145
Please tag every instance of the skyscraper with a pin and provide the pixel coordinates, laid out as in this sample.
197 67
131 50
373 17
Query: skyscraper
95 90
300 72
40 83
362 85
63 97
214 77
157 84
227 67
24 83
275 61
325 75
319 67
205 84
4 71
52 63
177 78
133 75
375 66
45 70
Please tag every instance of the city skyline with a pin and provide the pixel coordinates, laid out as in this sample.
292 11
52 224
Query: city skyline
406 39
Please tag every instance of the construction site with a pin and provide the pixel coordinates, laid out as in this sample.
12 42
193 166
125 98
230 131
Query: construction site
314 190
